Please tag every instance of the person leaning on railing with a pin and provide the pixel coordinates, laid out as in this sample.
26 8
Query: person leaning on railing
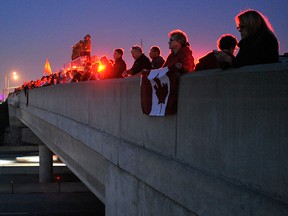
180 59
258 44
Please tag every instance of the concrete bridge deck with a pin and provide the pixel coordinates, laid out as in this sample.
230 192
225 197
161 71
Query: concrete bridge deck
223 153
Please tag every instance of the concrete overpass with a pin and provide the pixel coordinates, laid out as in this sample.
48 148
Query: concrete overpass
223 153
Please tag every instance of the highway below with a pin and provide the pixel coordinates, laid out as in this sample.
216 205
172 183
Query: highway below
20 190
21 193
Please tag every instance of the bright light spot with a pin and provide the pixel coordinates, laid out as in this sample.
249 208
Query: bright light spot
3 162
101 68
33 159
15 77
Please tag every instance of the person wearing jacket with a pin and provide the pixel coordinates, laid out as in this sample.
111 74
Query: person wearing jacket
225 43
157 60
180 59
258 44
141 62
119 65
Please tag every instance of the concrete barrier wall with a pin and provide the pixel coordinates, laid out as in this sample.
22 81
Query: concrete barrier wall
223 153
52 187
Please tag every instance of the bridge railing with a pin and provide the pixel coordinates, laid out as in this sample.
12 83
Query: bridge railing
231 126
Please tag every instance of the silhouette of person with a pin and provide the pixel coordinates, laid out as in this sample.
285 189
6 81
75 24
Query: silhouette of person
258 44
87 45
157 60
141 62
180 59
119 65
106 73
227 44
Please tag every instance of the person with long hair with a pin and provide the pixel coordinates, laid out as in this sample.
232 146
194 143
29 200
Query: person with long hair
258 44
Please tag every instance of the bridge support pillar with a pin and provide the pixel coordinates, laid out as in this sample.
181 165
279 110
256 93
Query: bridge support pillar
46 164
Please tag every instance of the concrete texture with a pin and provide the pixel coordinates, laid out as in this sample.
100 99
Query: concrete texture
223 153
46 164
51 187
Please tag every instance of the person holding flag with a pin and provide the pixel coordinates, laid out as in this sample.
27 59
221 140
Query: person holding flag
159 87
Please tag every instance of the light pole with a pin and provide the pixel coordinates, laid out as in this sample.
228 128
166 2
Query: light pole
6 83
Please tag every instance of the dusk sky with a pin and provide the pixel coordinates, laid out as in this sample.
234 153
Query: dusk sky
33 30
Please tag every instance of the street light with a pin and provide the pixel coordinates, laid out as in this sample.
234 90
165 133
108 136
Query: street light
6 82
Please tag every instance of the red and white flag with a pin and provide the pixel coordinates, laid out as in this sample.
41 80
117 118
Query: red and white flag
159 92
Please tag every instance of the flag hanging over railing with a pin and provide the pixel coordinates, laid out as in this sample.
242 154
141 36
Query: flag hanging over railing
159 92
47 68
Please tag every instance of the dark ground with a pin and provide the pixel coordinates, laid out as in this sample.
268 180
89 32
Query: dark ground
52 204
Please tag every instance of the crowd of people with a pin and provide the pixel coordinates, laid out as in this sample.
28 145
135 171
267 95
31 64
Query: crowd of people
258 45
